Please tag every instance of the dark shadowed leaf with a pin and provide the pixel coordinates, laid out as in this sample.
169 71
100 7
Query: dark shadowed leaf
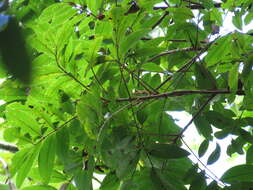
14 52
214 155
203 148
239 173
249 155
167 151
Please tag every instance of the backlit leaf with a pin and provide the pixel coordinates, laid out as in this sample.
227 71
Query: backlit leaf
47 157
214 155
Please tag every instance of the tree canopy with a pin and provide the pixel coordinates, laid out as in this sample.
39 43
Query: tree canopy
89 84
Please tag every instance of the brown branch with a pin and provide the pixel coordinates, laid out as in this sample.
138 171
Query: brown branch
174 51
8 147
186 66
192 6
179 93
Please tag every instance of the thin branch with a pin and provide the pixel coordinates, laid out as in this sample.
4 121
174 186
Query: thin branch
186 66
57 129
160 20
194 117
143 84
192 6
7 173
179 93
157 134
96 78
174 51
218 180
68 73
8 147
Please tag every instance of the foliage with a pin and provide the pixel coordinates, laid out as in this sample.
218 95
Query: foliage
89 83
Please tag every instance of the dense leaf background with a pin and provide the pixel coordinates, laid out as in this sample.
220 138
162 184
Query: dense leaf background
88 85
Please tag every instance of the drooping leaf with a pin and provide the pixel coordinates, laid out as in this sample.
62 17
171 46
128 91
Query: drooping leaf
214 156
46 158
203 127
203 148
239 173
237 20
27 164
218 50
204 78
167 151
131 40
233 78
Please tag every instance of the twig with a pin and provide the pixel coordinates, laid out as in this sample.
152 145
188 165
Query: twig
68 73
56 129
194 117
179 93
218 180
143 84
187 65
7 172
192 6
160 20
174 51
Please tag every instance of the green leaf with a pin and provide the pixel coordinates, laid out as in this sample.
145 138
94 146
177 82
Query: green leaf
167 151
181 14
89 113
204 77
199 183
158 182
92 54
249 155
83 178
248 18
4 187
110 182
247 68
218 120
237 20
62 144
131 40
39 187
218 50
27 165
203 148
21 116
152 67
14 52
214 155
47 157
239 173
207 3
233 77
216 16
94 5
204 128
